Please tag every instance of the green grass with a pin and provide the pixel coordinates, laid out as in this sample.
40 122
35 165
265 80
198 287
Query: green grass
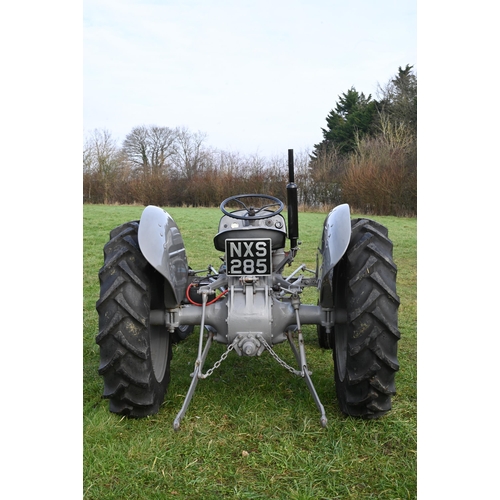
252 429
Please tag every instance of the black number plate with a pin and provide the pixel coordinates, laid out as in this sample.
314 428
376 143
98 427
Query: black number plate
251 257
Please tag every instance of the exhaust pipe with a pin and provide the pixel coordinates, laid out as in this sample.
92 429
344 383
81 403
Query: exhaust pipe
293 204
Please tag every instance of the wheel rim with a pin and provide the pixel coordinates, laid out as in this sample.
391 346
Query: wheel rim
340 330
159 340
159 336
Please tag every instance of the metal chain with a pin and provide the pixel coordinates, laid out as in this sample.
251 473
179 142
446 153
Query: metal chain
278 359
225 354
230 347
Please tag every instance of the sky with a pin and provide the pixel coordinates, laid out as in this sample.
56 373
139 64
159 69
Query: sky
257 77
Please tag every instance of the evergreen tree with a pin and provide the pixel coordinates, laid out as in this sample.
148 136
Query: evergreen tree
353 117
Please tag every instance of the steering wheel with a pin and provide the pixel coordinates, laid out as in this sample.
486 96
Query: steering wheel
253 213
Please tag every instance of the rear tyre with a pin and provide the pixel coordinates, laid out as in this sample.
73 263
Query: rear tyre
134 355
365 346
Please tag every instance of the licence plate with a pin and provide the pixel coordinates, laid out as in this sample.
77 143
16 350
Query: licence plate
250 257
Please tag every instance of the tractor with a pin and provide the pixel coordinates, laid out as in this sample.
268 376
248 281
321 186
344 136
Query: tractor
150 298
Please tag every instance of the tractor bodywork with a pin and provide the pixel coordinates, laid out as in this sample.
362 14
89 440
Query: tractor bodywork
247 304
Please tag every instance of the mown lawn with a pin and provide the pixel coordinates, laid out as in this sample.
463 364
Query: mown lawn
252 430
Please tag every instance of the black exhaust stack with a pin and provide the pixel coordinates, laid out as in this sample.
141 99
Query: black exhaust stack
293 204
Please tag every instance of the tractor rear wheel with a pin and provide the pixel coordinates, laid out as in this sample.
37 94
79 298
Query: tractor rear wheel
134 355
365 346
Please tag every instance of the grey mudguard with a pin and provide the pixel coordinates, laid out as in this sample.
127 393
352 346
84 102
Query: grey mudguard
334 243
161 243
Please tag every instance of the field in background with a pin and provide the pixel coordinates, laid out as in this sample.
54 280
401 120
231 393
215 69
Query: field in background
252 430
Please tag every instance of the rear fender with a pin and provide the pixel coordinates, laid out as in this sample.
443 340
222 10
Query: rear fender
334 243
161 244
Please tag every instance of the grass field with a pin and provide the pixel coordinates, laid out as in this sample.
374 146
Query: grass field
252 430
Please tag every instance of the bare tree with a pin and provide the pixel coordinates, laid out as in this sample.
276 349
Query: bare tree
100 161
230 163
149 148
325 178
191 155
163 145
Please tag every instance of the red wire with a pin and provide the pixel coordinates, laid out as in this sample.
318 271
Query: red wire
208 303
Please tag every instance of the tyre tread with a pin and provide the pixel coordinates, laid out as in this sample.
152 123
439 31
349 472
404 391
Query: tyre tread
123 337
372 332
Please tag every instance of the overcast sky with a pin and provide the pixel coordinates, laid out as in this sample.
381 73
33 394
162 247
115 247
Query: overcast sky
256 76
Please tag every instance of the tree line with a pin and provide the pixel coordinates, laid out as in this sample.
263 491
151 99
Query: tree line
367 158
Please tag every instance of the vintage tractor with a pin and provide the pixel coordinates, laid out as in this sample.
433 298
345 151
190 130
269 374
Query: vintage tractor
150 298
